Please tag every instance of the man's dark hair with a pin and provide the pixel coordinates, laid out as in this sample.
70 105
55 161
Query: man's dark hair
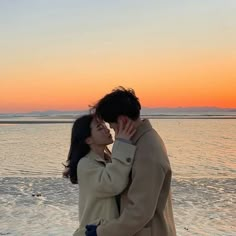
120 101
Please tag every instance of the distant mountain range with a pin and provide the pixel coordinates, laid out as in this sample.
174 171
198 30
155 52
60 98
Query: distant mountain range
145 111
189 111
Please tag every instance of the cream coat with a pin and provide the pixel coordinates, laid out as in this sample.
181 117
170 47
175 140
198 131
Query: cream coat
99 182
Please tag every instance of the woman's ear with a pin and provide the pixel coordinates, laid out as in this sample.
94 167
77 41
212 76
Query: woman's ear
89 140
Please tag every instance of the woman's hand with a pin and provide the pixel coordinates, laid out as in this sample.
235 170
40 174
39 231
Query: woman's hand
125 130
66 171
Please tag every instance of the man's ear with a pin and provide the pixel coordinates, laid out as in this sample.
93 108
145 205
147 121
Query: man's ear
122 119
89 140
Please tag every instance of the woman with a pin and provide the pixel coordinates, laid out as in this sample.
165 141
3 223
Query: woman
101 175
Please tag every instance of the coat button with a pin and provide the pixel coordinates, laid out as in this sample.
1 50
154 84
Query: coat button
128 159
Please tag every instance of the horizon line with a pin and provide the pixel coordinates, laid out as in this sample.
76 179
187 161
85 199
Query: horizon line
145 107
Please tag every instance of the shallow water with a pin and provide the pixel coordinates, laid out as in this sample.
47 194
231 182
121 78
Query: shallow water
35 200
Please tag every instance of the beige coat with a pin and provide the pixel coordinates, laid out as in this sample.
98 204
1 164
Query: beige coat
99 182
146 208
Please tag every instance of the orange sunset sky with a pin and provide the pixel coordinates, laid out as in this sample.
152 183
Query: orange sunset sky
65 55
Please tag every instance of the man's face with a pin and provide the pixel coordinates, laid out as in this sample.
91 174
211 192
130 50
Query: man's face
121 122
113 125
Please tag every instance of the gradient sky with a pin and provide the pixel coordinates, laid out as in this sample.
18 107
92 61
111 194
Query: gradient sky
65 55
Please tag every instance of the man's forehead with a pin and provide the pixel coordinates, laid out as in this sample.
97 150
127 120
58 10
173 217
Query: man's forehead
99 120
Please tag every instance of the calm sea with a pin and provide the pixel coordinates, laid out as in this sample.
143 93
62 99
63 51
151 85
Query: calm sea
35 200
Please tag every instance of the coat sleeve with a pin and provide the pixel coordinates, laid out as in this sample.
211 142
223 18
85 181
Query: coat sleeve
148 176
109 180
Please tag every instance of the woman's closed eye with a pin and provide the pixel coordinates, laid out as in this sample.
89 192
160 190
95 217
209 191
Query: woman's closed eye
101 127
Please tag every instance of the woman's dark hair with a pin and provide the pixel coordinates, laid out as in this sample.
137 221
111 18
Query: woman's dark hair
120 101
81 130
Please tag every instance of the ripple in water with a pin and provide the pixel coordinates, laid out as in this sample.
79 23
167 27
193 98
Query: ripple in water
201 206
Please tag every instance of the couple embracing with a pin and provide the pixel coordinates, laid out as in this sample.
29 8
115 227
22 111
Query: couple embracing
125 192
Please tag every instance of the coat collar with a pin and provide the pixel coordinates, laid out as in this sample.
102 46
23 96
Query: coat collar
142 129
94 156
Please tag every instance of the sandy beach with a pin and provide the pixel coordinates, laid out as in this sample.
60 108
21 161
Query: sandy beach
202 155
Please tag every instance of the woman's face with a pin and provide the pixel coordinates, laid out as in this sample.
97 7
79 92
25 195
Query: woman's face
100 134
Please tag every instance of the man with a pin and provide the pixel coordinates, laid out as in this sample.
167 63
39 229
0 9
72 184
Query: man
145 206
